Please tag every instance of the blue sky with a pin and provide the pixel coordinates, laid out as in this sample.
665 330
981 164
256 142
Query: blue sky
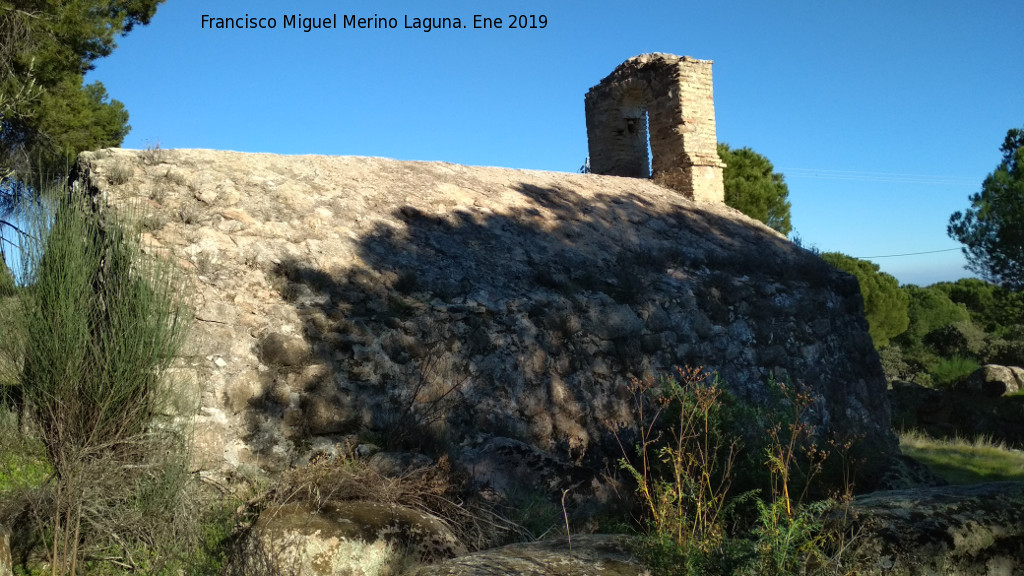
884 116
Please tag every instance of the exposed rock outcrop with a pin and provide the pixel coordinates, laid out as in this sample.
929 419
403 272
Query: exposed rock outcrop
467 309
603 554
994 380
343 538
975 530
952 413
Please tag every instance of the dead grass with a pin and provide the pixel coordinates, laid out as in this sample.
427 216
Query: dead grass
429 489
962 461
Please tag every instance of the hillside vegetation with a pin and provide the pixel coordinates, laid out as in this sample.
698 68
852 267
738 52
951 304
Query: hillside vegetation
937 335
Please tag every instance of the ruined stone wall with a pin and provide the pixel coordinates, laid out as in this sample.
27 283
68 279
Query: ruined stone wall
670 97
502 312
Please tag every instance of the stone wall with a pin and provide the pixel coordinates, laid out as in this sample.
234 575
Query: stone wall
671 98
499 313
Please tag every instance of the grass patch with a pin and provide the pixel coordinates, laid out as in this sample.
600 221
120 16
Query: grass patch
962 461
23 462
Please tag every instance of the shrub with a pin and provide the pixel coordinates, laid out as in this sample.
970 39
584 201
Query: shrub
893 365
1005 352
683 469
946 341
100 326
951 371
429 489
790 535
120 173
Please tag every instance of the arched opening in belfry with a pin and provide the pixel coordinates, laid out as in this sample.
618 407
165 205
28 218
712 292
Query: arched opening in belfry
636 140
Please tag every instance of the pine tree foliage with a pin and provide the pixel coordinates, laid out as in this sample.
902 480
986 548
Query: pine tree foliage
992 229
885 303
47 115
753 187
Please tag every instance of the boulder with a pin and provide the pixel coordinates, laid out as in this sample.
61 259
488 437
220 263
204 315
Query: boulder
975 530
994 380
956 413
604 554
353 538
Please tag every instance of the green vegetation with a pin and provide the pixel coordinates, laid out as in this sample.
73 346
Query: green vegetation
991 308
97 327
684 465
930 309
992 229
937 335
7 284
953 327
23 462
678 471
950 371
961 461
47 115
753 187
885 304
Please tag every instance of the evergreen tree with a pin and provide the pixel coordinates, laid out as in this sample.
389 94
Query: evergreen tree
929 309
885 303
992 229
753 187
47 115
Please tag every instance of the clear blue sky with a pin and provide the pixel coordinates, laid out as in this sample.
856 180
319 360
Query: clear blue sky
884 116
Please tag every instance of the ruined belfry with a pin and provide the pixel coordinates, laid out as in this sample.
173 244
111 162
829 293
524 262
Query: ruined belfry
666 103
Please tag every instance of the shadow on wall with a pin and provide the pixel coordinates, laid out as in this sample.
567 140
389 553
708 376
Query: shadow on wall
528 325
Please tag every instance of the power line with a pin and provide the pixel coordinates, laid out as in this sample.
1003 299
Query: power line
865 176
909 254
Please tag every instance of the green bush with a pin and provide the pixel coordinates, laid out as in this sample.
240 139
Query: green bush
788 541
928 310
99 325
1007 352
951 371
681 470
683 467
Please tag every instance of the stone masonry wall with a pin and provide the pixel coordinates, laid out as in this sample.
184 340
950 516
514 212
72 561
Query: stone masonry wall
670 97
498 312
